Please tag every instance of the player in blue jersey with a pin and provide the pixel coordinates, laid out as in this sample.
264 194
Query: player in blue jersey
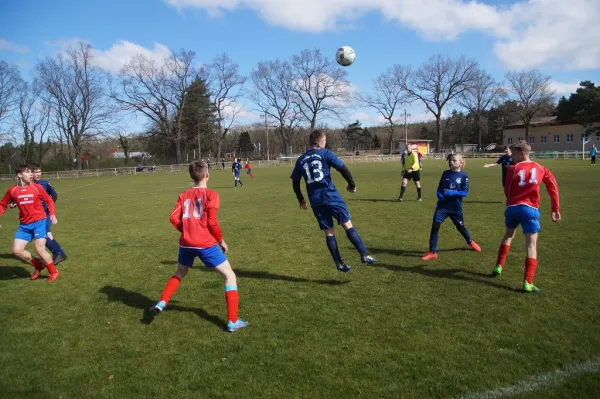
505 160
325 200
236 167
58 255
454 185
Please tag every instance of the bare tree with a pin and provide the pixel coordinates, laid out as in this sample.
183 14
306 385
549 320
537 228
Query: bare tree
226 87
436 83
273 94
158 91
531 95
483 92
321 87
388 96
76 95
34 116
11 85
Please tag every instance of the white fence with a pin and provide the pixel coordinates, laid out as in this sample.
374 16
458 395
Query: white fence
285 162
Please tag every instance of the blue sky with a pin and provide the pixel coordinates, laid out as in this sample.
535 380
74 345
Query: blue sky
559 38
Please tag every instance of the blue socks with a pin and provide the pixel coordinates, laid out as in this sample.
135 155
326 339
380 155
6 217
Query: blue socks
54 246
356 240
333 249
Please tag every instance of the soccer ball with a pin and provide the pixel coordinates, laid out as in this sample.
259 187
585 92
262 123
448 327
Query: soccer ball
345 56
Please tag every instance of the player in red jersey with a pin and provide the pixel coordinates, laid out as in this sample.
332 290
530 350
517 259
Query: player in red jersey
522 189
249 167
195 216
29 196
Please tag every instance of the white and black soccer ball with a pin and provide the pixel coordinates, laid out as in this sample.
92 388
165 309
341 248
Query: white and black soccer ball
345 56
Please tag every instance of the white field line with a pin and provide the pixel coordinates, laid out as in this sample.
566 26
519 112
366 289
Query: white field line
538 382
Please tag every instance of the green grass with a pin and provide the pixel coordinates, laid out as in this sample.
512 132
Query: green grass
399 328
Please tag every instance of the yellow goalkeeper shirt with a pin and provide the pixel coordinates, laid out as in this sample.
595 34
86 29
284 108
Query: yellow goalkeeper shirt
411 162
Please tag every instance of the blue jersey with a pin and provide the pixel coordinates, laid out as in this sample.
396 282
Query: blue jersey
451 190
314 165
505 161
51 192
593 152
236 167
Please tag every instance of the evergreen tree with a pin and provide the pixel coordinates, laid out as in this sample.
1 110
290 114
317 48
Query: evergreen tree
198 118
244 144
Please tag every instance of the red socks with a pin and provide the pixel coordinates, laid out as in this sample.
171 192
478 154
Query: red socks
51 268
530 266
502 253
170 289
232 297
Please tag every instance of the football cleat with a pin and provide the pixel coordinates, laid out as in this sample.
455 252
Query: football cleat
59 257
497 270
475 247
527 287
233 327
399 199
367 259
429 256
342 267
52 277
159 307
420 199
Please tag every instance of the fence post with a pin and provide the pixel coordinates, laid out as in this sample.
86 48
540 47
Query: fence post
57 175
171 166
76 173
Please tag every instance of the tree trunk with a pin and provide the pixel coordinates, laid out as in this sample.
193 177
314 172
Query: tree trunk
526 129
478 130
438 133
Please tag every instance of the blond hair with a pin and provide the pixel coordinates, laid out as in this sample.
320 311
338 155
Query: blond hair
521 146
461 158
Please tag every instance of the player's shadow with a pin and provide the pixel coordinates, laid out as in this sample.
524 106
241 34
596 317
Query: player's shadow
270 276
13 272
454 274
259 274
8 256
139 301
168 262
374 199
481 202
409 252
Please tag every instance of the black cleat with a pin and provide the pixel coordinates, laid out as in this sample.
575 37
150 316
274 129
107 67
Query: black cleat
59 258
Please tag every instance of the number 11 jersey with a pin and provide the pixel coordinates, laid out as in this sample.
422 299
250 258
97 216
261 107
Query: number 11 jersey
314 165
195 216
522 186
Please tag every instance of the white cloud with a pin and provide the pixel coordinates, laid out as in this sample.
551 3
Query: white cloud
559 34
123 51
6 45
528 34
562 89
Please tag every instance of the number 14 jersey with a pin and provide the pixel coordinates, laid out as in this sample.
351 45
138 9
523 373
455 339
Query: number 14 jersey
522 185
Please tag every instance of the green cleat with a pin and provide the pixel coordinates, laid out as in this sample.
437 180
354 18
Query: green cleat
530 287
497 271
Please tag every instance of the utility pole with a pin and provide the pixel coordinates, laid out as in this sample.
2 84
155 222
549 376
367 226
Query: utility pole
405 129
267 133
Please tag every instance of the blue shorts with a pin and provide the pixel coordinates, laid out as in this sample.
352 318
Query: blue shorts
31 231
237 173
249 171
326 213
526 216
211 257
441 214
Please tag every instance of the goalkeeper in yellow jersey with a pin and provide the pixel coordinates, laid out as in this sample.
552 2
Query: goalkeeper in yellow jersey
411 170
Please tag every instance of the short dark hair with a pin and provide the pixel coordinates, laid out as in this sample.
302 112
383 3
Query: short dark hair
35 166
197 170
315 137
22 168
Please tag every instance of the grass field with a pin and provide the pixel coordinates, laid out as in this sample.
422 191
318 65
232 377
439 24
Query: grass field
399 328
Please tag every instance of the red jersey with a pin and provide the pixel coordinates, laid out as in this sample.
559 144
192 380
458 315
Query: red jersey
195 216
248 166
29 200
522 185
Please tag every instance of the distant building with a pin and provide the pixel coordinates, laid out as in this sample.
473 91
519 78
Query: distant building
549 134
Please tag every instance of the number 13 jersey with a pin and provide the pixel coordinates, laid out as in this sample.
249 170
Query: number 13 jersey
523 185
314 165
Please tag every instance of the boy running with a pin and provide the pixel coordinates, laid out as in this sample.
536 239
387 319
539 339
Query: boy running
30 198
522 191
195 216
453 187
249 171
